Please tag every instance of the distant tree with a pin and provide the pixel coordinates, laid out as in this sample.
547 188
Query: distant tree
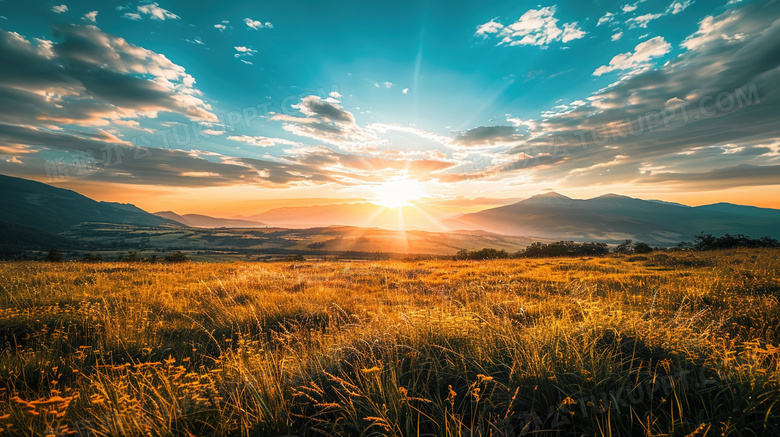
177 257
563 248
642 248
293 258
709 242
54 255
625 247
462 254
317 245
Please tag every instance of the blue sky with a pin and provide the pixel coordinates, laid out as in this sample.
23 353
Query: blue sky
336 100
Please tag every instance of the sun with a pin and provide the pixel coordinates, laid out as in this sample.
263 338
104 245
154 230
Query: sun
397 193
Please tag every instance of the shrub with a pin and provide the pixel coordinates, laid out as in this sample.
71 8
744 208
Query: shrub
54 255
177 257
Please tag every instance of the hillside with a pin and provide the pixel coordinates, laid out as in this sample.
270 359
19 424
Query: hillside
47 208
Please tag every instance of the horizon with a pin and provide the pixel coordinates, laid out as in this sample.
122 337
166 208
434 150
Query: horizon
233 112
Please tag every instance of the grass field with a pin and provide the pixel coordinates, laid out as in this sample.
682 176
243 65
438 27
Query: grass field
662 344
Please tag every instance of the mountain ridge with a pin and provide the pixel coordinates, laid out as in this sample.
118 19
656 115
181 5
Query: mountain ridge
47 208
612 218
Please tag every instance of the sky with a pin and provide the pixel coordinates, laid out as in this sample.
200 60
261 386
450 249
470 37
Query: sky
235 108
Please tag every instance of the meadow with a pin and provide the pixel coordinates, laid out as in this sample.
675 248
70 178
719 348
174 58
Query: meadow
677 343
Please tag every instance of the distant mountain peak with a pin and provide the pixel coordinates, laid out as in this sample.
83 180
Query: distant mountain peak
551 195
613 196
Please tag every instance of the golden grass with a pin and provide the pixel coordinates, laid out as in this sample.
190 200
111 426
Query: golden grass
662 344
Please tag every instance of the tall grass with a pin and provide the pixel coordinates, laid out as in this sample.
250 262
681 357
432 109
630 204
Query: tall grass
665 344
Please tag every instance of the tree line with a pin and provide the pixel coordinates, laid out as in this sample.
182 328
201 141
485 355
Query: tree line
574 249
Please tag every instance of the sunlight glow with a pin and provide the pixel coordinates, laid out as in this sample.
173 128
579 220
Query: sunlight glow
397 193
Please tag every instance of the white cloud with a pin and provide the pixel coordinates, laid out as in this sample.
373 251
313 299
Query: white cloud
60 9
639 59
642 20
677 6
608 17
222 26
405 91
617 36
132 16
91 16
253 24
537 27
156 12
629 8
242 49
489 28
711 31
243 52
571 32
212 132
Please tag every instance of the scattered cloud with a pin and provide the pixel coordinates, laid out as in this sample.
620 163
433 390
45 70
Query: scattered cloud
243 52
684 123
571 32
537 27
607 18
639 59
253 24
155 12
222 25
405 90
91 16
324 119
617 36
61 9
678 6
489 28
90 78
643 20
631 7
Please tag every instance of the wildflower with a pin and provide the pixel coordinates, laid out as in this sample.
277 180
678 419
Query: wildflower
451 395
483 378
569 401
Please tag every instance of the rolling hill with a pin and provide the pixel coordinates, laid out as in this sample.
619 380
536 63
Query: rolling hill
204 221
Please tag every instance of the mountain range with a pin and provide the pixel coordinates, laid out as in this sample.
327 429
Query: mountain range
205 221
27 206
613 218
